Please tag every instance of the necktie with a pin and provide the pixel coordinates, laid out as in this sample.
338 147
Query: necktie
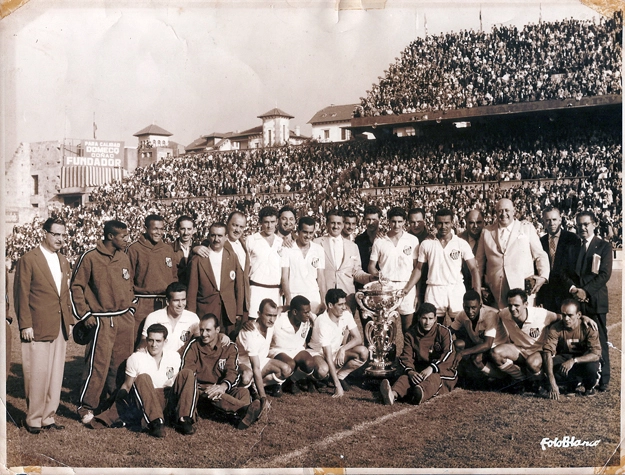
552 250
580 257
503 238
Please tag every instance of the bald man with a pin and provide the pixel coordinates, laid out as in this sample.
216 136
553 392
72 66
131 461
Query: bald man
508 252
474 221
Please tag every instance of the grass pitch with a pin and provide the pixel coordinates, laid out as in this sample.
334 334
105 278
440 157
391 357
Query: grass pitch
463 429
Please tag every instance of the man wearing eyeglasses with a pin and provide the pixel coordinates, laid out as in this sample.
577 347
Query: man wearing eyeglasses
43 309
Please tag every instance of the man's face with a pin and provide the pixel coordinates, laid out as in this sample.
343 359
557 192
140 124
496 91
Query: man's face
176 303
155 231
268 225
209 333
120 240
372 222
475 224
186 230
305 235
338 308
287 222
155 342
334 225
517 307
216 238
443 226
472 308
303 314
570 317
552 222
236 226
416 223
396 225
54 239
427 322
268 316
505 213
585 227
349 226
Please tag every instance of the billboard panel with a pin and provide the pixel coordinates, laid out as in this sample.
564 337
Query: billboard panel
98 153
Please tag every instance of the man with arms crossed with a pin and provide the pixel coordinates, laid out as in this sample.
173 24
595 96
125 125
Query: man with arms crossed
303 267
396 254
426 361
265 249
571 353
42 306
336 343
102 298
444 256
183 247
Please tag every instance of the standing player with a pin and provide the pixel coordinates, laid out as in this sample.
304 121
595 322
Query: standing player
265 248
396 254
474 221
287 217
181 324
445 256
303 267
152 268
42 306
336 343
102 298
365 240
426 361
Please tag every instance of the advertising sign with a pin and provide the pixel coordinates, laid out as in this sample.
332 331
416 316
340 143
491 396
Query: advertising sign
98 153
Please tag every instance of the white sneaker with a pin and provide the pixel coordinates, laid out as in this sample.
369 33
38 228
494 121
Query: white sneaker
87 418
387 393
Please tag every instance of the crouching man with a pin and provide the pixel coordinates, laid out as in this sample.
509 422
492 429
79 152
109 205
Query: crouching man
216 370
152 384
571 353
426 360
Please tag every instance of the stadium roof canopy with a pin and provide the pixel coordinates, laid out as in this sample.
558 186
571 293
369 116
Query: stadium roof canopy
332 113
275 112
153 129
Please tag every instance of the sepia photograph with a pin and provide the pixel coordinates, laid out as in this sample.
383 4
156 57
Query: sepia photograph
319 237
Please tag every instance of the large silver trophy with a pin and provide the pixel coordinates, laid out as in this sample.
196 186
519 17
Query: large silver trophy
379 301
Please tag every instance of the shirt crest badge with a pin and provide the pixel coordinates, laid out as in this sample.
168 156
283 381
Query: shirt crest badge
125 274
315 262
534 332
232 275
407 250
455 254
221 364
185 336
170 372
168 261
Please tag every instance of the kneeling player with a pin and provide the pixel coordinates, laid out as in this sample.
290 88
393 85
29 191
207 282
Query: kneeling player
571 353
336 342
288 345
426 360
254 341
152 383
216 371
477 329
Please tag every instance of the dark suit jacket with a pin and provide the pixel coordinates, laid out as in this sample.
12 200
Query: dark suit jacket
203 296
246 273
466 273
556 290
38 304
182 263
593 284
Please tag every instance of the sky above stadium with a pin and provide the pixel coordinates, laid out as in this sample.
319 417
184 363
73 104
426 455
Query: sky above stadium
196 67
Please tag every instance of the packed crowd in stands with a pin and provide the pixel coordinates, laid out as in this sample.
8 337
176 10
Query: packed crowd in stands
549 60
